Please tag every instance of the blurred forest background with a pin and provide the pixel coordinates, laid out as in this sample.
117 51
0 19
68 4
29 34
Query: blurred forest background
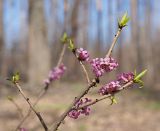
30 32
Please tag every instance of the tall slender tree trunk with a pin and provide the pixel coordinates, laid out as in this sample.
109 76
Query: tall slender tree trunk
1 34
85 24
148 45
110 22
39 53
136 50
98 47
3 61
73 20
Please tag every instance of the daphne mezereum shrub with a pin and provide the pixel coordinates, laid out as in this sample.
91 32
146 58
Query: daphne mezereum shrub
81 105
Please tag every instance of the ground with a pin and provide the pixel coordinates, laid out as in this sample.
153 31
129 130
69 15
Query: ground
134 112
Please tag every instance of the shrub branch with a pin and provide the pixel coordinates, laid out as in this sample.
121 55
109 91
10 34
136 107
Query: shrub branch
31 107
43 91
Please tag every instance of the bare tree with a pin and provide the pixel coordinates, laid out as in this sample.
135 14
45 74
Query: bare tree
136 47
110 21
71 20
148 44
98 47
1 34
3 59
39 53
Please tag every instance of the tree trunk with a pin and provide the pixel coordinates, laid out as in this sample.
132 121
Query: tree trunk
136 50
3 61
98 47
148 45
73 21
39 53
1 34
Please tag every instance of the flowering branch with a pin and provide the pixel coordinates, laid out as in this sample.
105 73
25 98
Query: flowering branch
83 93
43 91
31 107
81 55
81 105
105 97
99 67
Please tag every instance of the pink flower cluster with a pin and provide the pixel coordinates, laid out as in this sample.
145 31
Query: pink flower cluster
125 77
109 88
55 74
22 129
74 113
83 55
102 65
114 85
99 65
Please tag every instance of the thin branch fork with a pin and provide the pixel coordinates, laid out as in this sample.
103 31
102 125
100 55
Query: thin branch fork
43 91
91 84
83 93
72 104
29 103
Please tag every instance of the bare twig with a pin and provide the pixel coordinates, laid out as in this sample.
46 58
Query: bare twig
114 42
31 107
105 97
43 91
17 106
62 54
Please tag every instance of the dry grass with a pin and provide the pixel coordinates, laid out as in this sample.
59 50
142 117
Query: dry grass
132 113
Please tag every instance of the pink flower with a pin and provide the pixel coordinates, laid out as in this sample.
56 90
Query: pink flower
85 111
108 64
109 88
22 129
102 65
46 81
97 70
83 55
55 74
74 114
125 77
